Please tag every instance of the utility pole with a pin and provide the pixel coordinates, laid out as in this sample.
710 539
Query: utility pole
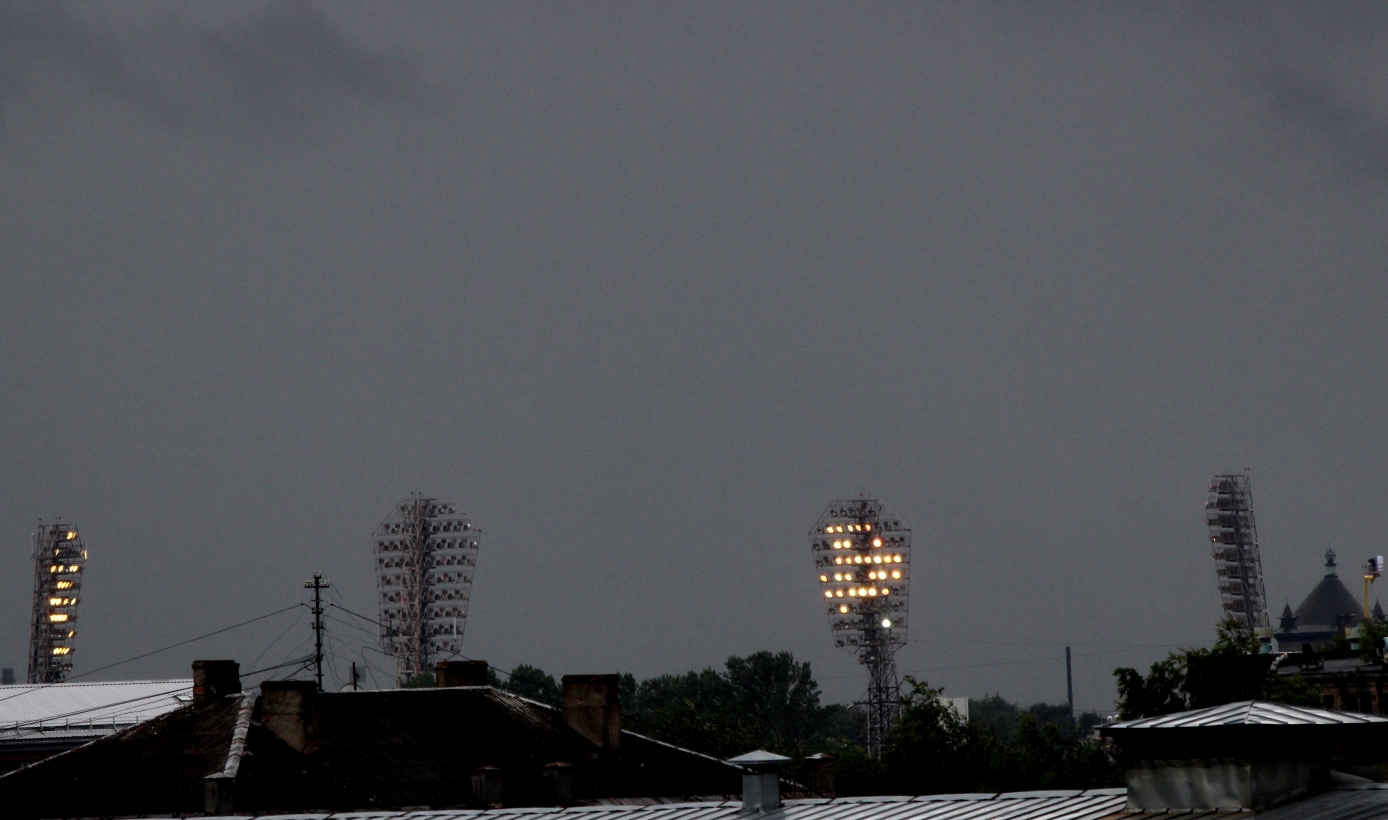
317 585
355 687
1069 685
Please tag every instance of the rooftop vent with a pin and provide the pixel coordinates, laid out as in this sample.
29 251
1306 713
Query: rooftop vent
1248 754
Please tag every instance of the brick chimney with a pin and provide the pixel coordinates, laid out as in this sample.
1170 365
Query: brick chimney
288 710
592 709
213 680
460 673
821 771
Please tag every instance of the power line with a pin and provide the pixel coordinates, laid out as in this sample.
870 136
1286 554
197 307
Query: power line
378 623
302 662
277 639
182 643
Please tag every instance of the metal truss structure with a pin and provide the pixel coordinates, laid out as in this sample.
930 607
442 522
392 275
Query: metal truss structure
1234 545
862 555
59 557
426 552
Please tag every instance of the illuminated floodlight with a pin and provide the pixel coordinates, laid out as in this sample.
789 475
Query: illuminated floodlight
426 553
853 542
59 557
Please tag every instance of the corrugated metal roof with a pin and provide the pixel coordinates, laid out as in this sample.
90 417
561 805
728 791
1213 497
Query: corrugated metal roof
1357 804
1062 805
1251 713
29 708
1097 804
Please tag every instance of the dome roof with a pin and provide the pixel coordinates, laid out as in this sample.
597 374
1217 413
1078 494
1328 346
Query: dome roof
1327 604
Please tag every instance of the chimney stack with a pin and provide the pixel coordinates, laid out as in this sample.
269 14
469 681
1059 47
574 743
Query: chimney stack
822 774
591 707
558 780
487 787
214 680
288 710
460 673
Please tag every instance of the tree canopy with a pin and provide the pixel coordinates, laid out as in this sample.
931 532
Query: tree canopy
932 750
769 700
1232 670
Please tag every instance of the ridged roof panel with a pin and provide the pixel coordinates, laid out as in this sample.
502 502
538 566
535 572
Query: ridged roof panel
1251 713
25 707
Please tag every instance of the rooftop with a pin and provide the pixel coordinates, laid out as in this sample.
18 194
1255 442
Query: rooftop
369 749
26 708
1251 713
1349 801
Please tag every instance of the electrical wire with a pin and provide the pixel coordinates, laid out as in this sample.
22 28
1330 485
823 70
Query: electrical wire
300 661
164 649
278 638
97 708
378 623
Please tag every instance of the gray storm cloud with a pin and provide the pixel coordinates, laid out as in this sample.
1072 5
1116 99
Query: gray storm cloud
1318 68
276 65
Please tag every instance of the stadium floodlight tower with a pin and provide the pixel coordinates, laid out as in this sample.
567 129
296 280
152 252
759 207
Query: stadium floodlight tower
59 557
1238 564
862 554
426 552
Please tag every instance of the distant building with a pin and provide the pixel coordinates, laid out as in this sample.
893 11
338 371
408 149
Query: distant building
1342 679
1324 615
39 720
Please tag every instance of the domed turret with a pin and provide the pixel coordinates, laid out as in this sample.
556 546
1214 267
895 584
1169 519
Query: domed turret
1326 613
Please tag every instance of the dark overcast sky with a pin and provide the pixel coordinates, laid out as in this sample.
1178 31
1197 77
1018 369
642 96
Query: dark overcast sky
644 286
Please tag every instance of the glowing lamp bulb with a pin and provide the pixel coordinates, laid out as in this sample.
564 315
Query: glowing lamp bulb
886 623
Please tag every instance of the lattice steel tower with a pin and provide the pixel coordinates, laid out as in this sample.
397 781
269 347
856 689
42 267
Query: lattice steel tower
59 557
862 555
1238 564
426 552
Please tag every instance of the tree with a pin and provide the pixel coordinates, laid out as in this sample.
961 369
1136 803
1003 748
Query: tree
766 700
1232 670
780 698
932 750
532 682
1003 717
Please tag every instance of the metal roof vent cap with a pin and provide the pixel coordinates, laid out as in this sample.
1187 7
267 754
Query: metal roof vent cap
1248 754
761 785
